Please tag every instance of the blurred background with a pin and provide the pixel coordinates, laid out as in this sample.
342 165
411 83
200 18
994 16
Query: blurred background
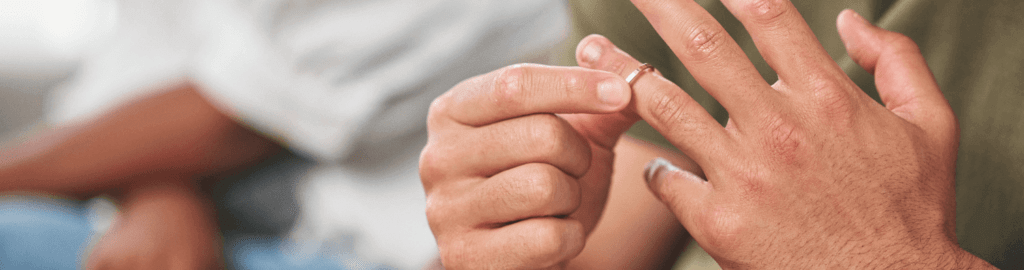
349 198
41 44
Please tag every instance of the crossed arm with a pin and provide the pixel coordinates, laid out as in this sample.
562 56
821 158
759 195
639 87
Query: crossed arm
151 155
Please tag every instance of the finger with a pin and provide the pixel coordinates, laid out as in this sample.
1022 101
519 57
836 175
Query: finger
528 191
904 81
529 244
539 138
785 41
525 89
711 56
663 104
683 192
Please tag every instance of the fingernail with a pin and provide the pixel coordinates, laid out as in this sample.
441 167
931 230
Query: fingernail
592 52
656 167
613 91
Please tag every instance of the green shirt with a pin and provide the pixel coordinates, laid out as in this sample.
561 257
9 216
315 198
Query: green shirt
975 49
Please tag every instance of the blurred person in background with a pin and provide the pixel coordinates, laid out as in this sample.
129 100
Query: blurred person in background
297 123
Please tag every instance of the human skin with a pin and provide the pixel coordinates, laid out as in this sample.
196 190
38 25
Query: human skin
809 172
509 183
152 156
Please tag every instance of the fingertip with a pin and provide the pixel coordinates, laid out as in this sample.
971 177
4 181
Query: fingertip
655 174
589 50
848 16
614 93
859 38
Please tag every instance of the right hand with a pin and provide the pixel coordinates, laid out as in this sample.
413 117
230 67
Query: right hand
518 162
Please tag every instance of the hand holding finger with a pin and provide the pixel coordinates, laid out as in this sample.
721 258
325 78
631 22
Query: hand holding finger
662 103
508 165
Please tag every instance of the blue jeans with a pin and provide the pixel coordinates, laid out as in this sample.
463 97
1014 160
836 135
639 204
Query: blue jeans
42 233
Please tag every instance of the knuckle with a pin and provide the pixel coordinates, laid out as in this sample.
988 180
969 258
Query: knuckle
783 139
721 230
432 166
453 254
833 101
553 242
436 212
573 82
765 11
752 184
534 191
900 45
548 136
510 84
902 42
671 111
704 41
437 111
550 139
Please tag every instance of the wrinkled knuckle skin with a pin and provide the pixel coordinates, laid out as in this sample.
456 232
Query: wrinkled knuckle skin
766 12
834 103
783 139
572 83
705 41
752 184
455 256
535 190
670 111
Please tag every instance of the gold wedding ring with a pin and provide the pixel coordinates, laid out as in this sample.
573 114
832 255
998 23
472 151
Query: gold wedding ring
636 73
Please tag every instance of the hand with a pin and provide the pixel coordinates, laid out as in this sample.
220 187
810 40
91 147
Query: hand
809 172
165 225
517 165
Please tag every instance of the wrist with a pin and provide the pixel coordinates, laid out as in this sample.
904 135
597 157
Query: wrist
966 260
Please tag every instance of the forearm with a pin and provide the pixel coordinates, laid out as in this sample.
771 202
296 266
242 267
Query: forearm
176 132
637 231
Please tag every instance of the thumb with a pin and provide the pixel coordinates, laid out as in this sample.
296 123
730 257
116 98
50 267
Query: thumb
904 82
682 191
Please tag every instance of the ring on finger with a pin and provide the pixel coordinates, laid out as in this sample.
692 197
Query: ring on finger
645 67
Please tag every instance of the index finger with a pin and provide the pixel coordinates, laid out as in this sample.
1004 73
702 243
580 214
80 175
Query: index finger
526 89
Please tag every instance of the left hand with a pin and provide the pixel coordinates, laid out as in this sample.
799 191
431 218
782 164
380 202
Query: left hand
165 224
809 172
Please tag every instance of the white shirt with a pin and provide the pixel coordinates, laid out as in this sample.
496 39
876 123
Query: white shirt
344 82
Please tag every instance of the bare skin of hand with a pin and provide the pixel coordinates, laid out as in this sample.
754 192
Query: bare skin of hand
809 172
165 224
518 162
